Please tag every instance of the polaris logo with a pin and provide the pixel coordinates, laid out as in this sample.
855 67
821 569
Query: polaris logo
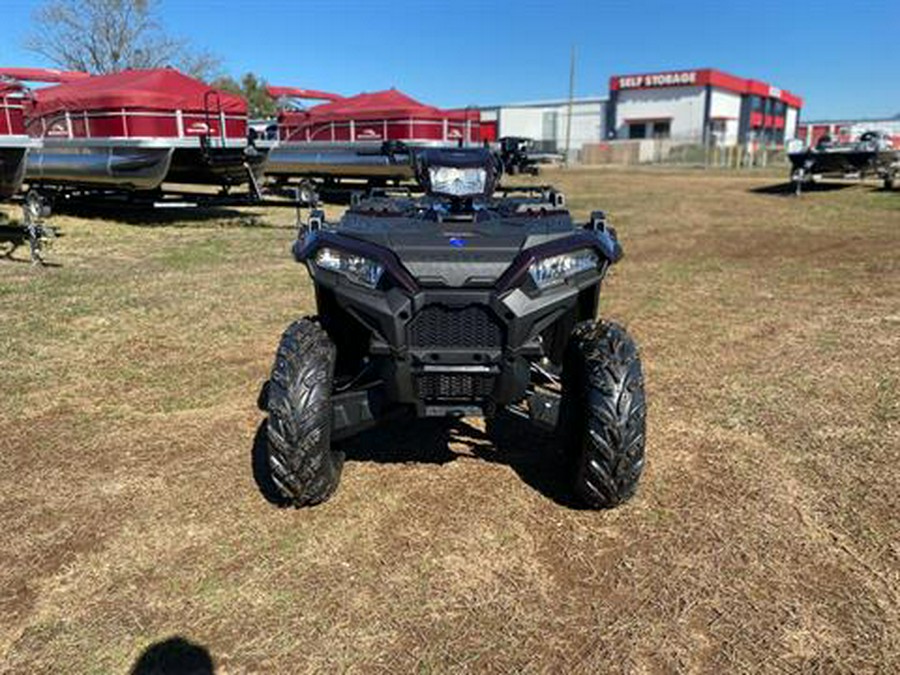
457 242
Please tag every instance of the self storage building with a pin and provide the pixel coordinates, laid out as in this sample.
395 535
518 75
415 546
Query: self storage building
700 106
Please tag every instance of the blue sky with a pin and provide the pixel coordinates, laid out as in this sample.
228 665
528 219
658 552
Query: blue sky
839 56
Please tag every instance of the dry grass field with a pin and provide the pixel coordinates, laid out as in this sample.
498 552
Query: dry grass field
765 535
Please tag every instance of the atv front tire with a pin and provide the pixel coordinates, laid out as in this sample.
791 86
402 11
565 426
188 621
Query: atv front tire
304 467
604 415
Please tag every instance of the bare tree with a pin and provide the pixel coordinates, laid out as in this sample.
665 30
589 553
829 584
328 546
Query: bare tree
105 36
203 65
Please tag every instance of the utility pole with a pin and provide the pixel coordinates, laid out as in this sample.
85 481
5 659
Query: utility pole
571 97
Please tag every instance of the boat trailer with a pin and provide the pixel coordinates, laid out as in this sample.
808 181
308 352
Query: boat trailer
873 154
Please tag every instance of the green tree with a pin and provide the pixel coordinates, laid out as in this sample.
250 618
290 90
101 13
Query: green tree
252 88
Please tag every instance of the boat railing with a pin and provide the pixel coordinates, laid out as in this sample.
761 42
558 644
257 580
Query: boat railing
12 121
220 114
177 124
451 130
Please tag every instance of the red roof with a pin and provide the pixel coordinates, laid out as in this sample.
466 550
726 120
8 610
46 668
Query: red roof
156 89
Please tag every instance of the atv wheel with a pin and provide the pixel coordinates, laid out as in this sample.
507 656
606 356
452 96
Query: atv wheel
604 414
298 431
306 194
889 182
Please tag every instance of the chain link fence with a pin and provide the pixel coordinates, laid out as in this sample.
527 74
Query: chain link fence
684 152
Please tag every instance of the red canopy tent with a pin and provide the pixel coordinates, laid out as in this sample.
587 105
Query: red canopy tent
378 116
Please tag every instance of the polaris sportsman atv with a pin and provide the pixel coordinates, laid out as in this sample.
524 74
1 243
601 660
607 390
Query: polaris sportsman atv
464 301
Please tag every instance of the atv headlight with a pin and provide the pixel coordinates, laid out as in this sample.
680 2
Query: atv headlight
356 268
551 271
457 181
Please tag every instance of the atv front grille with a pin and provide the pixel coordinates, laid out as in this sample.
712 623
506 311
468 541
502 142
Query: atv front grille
464 327
454 386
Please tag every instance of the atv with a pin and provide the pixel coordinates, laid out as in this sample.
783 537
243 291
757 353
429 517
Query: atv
466 300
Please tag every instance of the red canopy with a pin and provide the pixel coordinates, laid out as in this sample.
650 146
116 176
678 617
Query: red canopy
294 92
375 105
9 87
42 74
378 105
156 89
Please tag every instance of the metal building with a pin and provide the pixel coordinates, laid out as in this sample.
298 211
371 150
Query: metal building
547 123
848 129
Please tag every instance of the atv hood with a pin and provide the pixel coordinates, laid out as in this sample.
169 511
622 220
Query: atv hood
456 254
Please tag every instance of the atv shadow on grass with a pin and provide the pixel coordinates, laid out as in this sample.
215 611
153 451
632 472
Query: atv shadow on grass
14 237
788 189
532 453
142 216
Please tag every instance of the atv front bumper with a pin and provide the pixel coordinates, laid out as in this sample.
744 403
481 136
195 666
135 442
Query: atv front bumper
451 350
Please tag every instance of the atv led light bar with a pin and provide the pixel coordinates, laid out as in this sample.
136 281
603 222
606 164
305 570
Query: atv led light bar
356 268
555 270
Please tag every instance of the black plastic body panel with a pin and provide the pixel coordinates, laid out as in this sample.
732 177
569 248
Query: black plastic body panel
456 321
522 317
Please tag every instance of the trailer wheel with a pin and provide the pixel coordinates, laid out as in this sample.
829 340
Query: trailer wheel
307 194
35 209
797 182
304 467
603 418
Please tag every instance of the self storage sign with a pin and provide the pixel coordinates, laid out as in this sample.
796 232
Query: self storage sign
680 79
